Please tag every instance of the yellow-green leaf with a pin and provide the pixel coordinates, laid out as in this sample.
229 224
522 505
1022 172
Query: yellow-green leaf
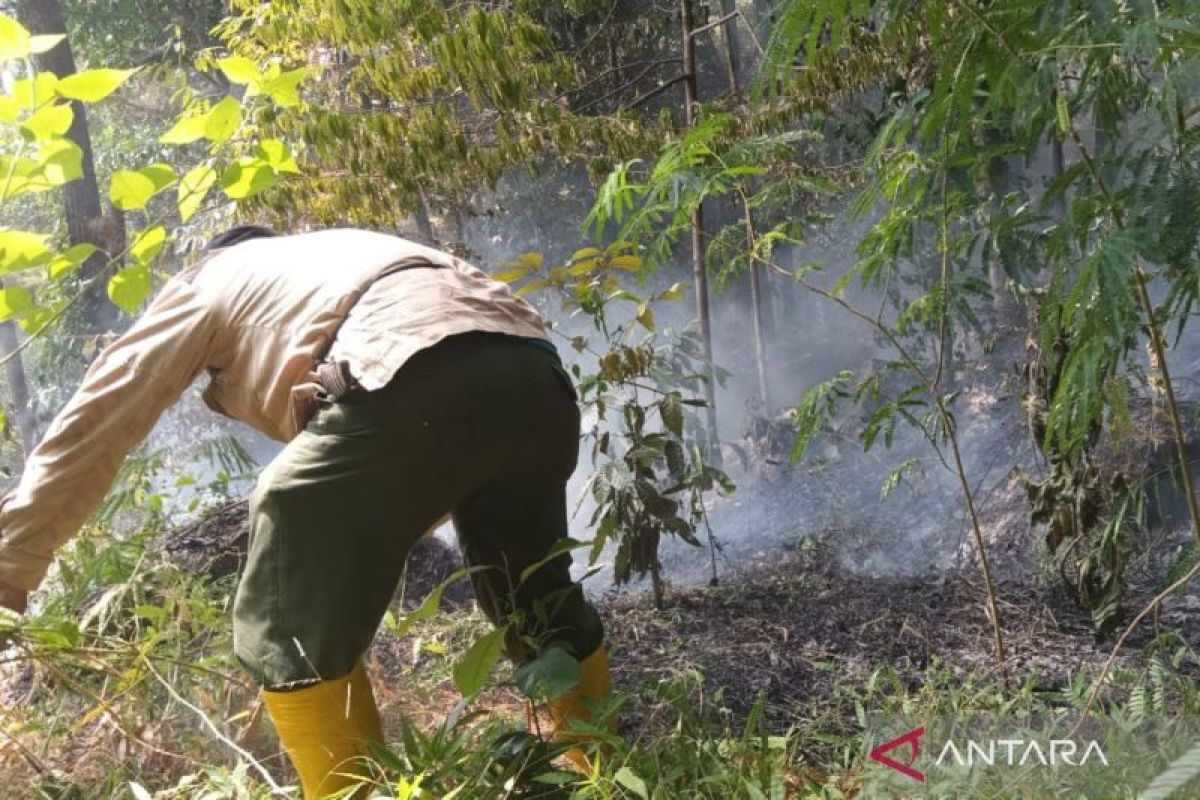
147 244
282 88
14 38
510 275
10 109
529 261
532 286
69 259
223 119
14 301
587 252
239 69
247 177
92 85
59 161
645 316
22 249
676 292
160 174
32 94
129 288
626 262
130 190
1062 113
38 317
583 267
186 130
48 122
193 188
276 153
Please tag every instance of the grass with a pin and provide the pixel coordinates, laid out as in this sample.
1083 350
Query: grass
122 685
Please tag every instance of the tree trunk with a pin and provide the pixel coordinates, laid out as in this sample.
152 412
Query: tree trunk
424 224
24 413
699 269
86 221
1059 166
731 45
758 304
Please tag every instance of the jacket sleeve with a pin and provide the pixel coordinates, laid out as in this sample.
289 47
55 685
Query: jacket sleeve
123 394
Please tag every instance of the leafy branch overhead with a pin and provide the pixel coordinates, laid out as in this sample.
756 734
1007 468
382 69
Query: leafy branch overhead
40 157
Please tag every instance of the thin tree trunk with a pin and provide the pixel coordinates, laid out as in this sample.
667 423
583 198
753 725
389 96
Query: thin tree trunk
731 44
1059 165
24 413
423 223
699 269
86 221
757 304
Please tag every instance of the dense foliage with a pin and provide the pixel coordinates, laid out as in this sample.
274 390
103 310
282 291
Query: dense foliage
1024 180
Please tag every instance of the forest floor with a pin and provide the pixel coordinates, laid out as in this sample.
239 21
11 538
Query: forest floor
794 634
791 627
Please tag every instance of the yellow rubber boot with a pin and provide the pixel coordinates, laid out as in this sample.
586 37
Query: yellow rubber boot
595 681
324 728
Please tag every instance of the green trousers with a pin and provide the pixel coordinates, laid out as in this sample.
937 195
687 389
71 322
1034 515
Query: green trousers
483 426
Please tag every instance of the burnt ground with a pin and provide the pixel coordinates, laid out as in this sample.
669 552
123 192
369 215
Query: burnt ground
795 628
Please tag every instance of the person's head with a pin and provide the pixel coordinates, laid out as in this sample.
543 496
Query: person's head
242 233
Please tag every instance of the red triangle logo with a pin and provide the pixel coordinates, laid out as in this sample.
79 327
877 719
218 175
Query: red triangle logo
913 740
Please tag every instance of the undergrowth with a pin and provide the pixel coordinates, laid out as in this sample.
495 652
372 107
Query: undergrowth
120 684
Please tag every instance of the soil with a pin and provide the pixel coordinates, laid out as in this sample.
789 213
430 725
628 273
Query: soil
790 627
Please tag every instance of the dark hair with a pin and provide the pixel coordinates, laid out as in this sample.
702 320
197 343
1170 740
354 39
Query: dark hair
242 233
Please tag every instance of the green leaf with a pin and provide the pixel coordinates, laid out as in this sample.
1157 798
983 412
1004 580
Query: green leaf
130 190
147 244
160 174
1063 113
22 250
14 301
38 317
629 780
10 109
239 69
671 409
185 130
281 88
61 161
31 94
276 153
552 674
48 122
92 85
675 292
223 119
70 259
14 38
473 669
564 545
129 288
247 177
645 316
193 188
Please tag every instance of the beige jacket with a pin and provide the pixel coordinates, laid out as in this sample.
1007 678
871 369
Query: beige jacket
257 316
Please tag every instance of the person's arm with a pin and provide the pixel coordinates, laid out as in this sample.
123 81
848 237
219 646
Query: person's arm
124 392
